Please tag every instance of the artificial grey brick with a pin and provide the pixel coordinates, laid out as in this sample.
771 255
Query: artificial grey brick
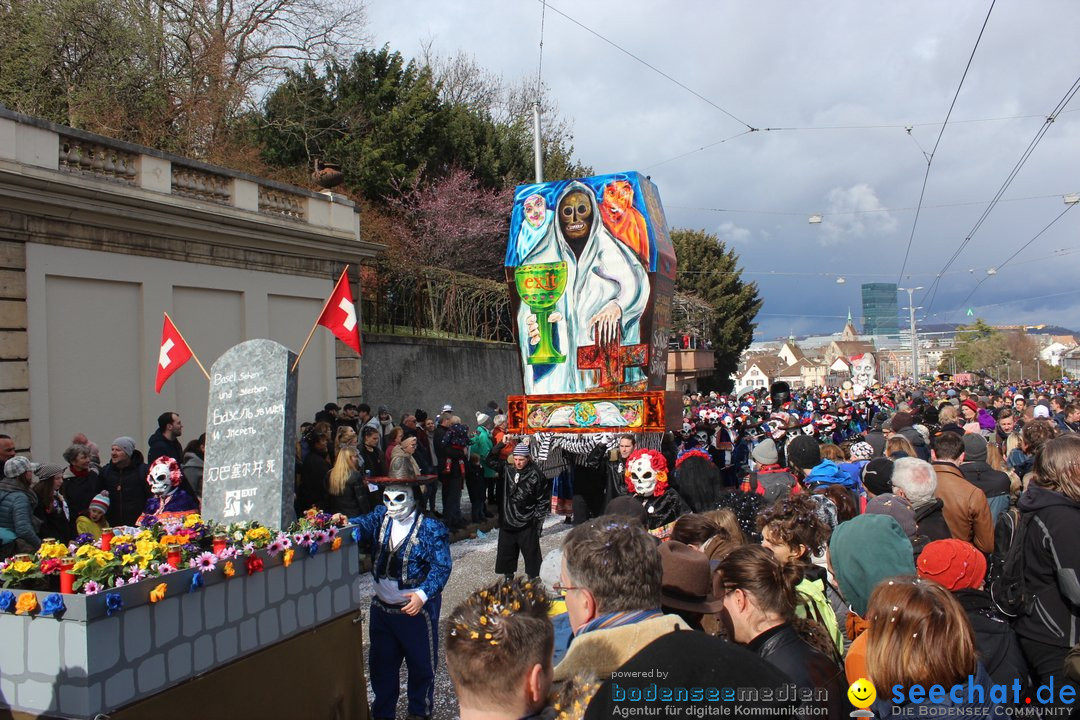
214 605
8 687
315 569
294 576
235 602
74 701
120 688
167 621
275 584
103 644
42 645
178 662
35 695
323 608
335 565
136 623
75 660
204 652
305 610
255 593
288 617
151 674
269 628
225 643
342 599
13 649
191 613
249 635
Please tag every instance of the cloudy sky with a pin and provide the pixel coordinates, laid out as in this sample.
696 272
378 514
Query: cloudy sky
842 82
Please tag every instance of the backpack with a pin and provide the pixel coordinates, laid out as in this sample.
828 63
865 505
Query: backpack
1005 580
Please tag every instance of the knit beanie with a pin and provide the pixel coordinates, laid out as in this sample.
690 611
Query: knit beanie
970 405
877 476
521 450
974 448
898 508
126 444
862 451
804 453
901 420
764 453
100 502
866 550
956 564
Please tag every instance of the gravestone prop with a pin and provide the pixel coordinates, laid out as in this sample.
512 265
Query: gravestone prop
250 436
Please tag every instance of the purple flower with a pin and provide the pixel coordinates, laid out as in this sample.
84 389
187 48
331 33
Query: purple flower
321 536
275 547
165 568
91 588
332 532
119 582
205 562
135 572
249 547
83 539
228 553
285 540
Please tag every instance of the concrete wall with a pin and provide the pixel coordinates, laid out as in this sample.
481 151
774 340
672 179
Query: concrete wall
406 373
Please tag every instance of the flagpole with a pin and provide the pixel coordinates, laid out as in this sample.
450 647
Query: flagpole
193 355
317 318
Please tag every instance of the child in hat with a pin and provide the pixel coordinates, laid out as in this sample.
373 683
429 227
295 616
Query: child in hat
93 521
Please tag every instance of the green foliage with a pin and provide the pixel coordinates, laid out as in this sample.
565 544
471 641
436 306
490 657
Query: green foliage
1001 354
709 270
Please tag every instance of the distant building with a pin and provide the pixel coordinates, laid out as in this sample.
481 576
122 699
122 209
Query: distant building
880 310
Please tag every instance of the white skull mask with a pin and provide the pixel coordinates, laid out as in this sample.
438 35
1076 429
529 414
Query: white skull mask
160 482
643 476
808 428
776 430
399 501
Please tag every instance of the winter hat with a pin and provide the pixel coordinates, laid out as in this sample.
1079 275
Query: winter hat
764 453
16 467
447 408
974 448
877 476
954 563
100 502
826 510
970 405
862 451
482 419
126 444
898 508
627 506
804 453
1041 411
47 471
498 420
521 450
901 420
866 550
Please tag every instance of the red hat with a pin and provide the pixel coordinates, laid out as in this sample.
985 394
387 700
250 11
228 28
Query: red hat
971 405
956 564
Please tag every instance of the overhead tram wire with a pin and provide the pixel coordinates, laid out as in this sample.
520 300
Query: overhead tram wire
933 152
931 292
804 213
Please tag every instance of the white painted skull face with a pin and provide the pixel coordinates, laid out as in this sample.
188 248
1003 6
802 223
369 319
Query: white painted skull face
160 482
643 476
809 428
777 430
702 437
399 501
728 421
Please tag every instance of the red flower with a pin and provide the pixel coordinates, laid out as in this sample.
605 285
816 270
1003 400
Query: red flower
254 564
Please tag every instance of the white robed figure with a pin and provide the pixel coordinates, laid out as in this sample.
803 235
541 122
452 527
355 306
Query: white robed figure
607 288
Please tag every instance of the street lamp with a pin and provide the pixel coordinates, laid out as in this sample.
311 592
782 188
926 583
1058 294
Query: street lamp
914 337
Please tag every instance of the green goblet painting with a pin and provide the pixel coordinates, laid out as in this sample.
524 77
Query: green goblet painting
540 286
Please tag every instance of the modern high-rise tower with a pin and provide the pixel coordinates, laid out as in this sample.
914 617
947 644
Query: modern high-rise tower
880 310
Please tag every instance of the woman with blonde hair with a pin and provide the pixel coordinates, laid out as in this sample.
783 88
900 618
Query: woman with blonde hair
897 444
347 491
920 635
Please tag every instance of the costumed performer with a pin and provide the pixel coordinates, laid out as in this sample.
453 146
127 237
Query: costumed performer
168 499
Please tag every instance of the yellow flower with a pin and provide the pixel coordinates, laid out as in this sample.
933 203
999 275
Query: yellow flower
144 535
229 570
101 562
256 534
146 548
192 519
79 566
286 559
23 566
121 539
53 550
158 592
128 559
26 604
84 550
336 545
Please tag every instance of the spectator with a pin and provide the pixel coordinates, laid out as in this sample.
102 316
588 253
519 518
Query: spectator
1004 435
7 448
425 451
313 474
966 510
616 469
93 521
1033 436
900 510
877 477
192 467
902 425
384 423
363 418
994 483
525 504
82 481
347 491
164 441
686 587
481 445
391 441
374 462
95 452
707 534
898 446
916 481
18 525
52 509
760 598
455 445
611 579
124 476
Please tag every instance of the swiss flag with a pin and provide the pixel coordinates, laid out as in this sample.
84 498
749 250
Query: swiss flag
173 353
339 314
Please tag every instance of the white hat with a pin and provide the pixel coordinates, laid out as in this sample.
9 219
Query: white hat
482 419
448 408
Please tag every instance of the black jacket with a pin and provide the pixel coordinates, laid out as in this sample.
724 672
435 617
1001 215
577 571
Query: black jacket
616 479
526 496
313 488
992 482
79 491
804 664
660 511
128 490
353 500
995 640
1055 615
931 520
160 446
917 441
374 461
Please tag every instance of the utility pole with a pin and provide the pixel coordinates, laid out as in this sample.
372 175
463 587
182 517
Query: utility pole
538 153
914 337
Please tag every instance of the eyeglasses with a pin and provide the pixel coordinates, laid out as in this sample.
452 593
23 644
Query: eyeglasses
563 589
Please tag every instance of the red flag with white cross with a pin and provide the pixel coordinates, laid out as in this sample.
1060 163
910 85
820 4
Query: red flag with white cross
339 314
172 353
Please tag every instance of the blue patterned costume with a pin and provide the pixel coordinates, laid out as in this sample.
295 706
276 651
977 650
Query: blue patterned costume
420 563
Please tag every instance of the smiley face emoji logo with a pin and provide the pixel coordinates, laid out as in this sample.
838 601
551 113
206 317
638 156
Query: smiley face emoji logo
862 693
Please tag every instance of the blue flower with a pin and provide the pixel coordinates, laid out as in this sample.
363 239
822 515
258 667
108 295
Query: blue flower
196 582
7 601
113 603
54 605
313 548
356 534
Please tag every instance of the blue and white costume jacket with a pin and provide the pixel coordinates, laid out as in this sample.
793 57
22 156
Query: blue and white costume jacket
421 562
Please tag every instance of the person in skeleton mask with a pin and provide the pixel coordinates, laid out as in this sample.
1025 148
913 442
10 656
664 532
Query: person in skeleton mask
410 563
646 478
525 500
168 499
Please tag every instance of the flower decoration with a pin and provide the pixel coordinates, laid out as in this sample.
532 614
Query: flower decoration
82 539
54 605
164 568
260 536
229 569
336 545
254 564
7 601
192 520
50 566
158 593
313 548
52 550
205 562
275 548
27 604
287 558
196 582
20 570
91 587
228 553
320 536
113 603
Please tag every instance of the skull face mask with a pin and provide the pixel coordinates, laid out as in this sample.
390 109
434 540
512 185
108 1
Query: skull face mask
643 476
164 476
646 473
575 216
399 501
